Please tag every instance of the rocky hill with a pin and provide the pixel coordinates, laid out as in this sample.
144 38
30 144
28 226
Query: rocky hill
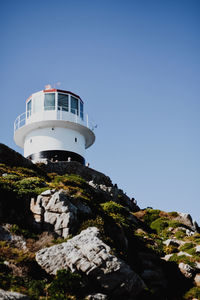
68 232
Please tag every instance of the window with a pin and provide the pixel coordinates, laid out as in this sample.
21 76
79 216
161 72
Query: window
49 101
75 140
74 105
37 104
81 110
63 102
29 108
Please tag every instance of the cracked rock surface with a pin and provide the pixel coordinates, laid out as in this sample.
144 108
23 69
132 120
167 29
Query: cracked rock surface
87 253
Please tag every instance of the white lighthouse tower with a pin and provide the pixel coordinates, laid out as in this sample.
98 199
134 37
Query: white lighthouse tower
54 127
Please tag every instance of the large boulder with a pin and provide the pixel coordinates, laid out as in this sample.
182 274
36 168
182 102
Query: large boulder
87 253
5 295
186 219
56 212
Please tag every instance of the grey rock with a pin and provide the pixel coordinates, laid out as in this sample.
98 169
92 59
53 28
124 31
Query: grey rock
186 219
82 208
197 279
197 249
16 240
186 270
6 295
197 264
47 193
167 257
59 203
56 212
97 296
60 222
184 253
189 232
173 242
87 253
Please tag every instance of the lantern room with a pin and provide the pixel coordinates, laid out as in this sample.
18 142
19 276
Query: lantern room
54 127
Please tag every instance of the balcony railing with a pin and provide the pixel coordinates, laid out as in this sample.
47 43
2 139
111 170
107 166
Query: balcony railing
53 113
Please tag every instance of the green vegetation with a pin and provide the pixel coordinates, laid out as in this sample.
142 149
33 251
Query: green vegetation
119 213
64 284
159 224
173 214
151 215
15 229
193 293
180 234
127 235
170 249
182 258
162 223
67 180
187 246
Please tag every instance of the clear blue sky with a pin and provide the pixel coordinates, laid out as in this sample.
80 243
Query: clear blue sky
136 64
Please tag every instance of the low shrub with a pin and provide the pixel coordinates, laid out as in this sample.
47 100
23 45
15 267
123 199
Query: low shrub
69 180
151 215
31 183
193 293
182 258
170 249
187 246
22 231
173 214
118 212
35 288
64 283
162 223
159 224
180 234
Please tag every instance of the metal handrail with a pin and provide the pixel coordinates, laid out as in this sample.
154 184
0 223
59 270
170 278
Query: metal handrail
25 118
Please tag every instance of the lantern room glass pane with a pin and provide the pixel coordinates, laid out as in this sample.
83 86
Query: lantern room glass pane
37 104
63 103
29 108
74 105
81 110
49 101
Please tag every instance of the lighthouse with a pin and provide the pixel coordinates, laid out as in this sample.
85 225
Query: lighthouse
54 126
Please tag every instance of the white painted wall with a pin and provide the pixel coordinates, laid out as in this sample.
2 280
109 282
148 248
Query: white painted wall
43 139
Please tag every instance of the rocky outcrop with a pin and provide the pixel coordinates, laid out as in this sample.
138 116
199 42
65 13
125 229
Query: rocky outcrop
116 195
87 253
186 219
55 211
5 295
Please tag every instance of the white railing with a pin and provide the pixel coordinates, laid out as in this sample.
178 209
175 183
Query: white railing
51 113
